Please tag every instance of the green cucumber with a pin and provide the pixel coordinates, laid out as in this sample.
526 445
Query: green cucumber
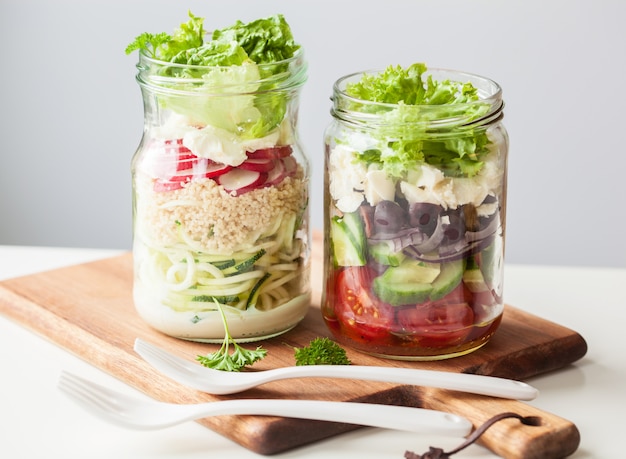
450 276
212 298
383 254
348 242
245 265
221 265
254 293
408 283
473 277
415 282
491 261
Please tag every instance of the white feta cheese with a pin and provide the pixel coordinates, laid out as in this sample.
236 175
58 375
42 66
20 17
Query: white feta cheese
428 184
346 179
378 187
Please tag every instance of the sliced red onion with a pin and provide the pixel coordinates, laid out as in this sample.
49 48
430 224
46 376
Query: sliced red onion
400 240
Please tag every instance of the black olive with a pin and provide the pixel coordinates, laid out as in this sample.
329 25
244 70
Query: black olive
389 217
424 215
455 230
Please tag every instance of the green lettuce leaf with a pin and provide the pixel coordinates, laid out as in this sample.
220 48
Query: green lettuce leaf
265 40
231 62
227 105
188 35
406 135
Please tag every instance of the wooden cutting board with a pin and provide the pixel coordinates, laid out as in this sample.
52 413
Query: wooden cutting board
88 310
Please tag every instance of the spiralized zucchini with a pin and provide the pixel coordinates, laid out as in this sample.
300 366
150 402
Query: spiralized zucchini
263 276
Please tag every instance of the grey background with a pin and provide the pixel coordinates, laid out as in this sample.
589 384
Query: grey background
71 112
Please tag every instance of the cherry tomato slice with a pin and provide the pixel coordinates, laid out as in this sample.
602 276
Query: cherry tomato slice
436 324
362 316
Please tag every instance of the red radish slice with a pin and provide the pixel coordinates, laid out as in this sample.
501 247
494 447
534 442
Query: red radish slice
291 166
259 165
185 165
164 185
271 153
276 175
199 169
241 181
214 170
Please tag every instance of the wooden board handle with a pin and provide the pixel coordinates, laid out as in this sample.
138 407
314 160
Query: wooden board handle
554 438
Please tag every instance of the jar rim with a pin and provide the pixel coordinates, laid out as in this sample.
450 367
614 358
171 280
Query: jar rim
361 111
291 73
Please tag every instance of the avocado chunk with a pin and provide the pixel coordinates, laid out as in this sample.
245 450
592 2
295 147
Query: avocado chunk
410 282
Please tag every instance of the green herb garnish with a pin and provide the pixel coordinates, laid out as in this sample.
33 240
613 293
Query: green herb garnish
321 351
223 360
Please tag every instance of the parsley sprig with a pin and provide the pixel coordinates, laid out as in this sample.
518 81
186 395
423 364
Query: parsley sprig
321 351
149 42
225 361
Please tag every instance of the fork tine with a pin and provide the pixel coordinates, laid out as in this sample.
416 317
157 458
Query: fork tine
156 353
86 395
94 397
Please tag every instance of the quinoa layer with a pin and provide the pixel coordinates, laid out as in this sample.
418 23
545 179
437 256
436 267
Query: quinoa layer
207 218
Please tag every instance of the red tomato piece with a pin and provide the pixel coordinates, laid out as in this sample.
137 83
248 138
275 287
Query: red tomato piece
436 324
362 316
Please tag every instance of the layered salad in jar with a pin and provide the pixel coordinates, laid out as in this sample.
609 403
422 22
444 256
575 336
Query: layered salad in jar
416 179
220 183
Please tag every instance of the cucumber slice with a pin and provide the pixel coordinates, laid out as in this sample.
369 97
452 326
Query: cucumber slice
450 276
492 261
473 278
408 283
383 254
348 242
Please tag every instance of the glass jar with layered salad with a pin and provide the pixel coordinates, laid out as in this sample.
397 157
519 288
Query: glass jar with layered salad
220 183
415 201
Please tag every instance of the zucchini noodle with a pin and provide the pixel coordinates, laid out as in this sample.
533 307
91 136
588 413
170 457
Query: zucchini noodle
262 275
196 248
173 272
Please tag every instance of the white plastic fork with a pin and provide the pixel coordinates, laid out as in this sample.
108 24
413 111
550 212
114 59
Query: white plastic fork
218 382
135 413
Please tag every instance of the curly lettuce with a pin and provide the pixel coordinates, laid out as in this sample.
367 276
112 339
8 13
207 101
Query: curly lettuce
234 66
406 135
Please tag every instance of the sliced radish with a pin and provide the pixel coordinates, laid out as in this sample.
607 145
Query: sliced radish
165 185
241 181
259 165
291 166
271 153
214 170
276 175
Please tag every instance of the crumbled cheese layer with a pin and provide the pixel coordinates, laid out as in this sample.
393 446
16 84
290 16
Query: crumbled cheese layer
351 182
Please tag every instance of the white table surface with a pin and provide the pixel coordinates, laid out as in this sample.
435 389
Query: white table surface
37 421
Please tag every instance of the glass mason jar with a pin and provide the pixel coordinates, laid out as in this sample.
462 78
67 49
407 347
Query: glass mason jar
414 257
220 200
